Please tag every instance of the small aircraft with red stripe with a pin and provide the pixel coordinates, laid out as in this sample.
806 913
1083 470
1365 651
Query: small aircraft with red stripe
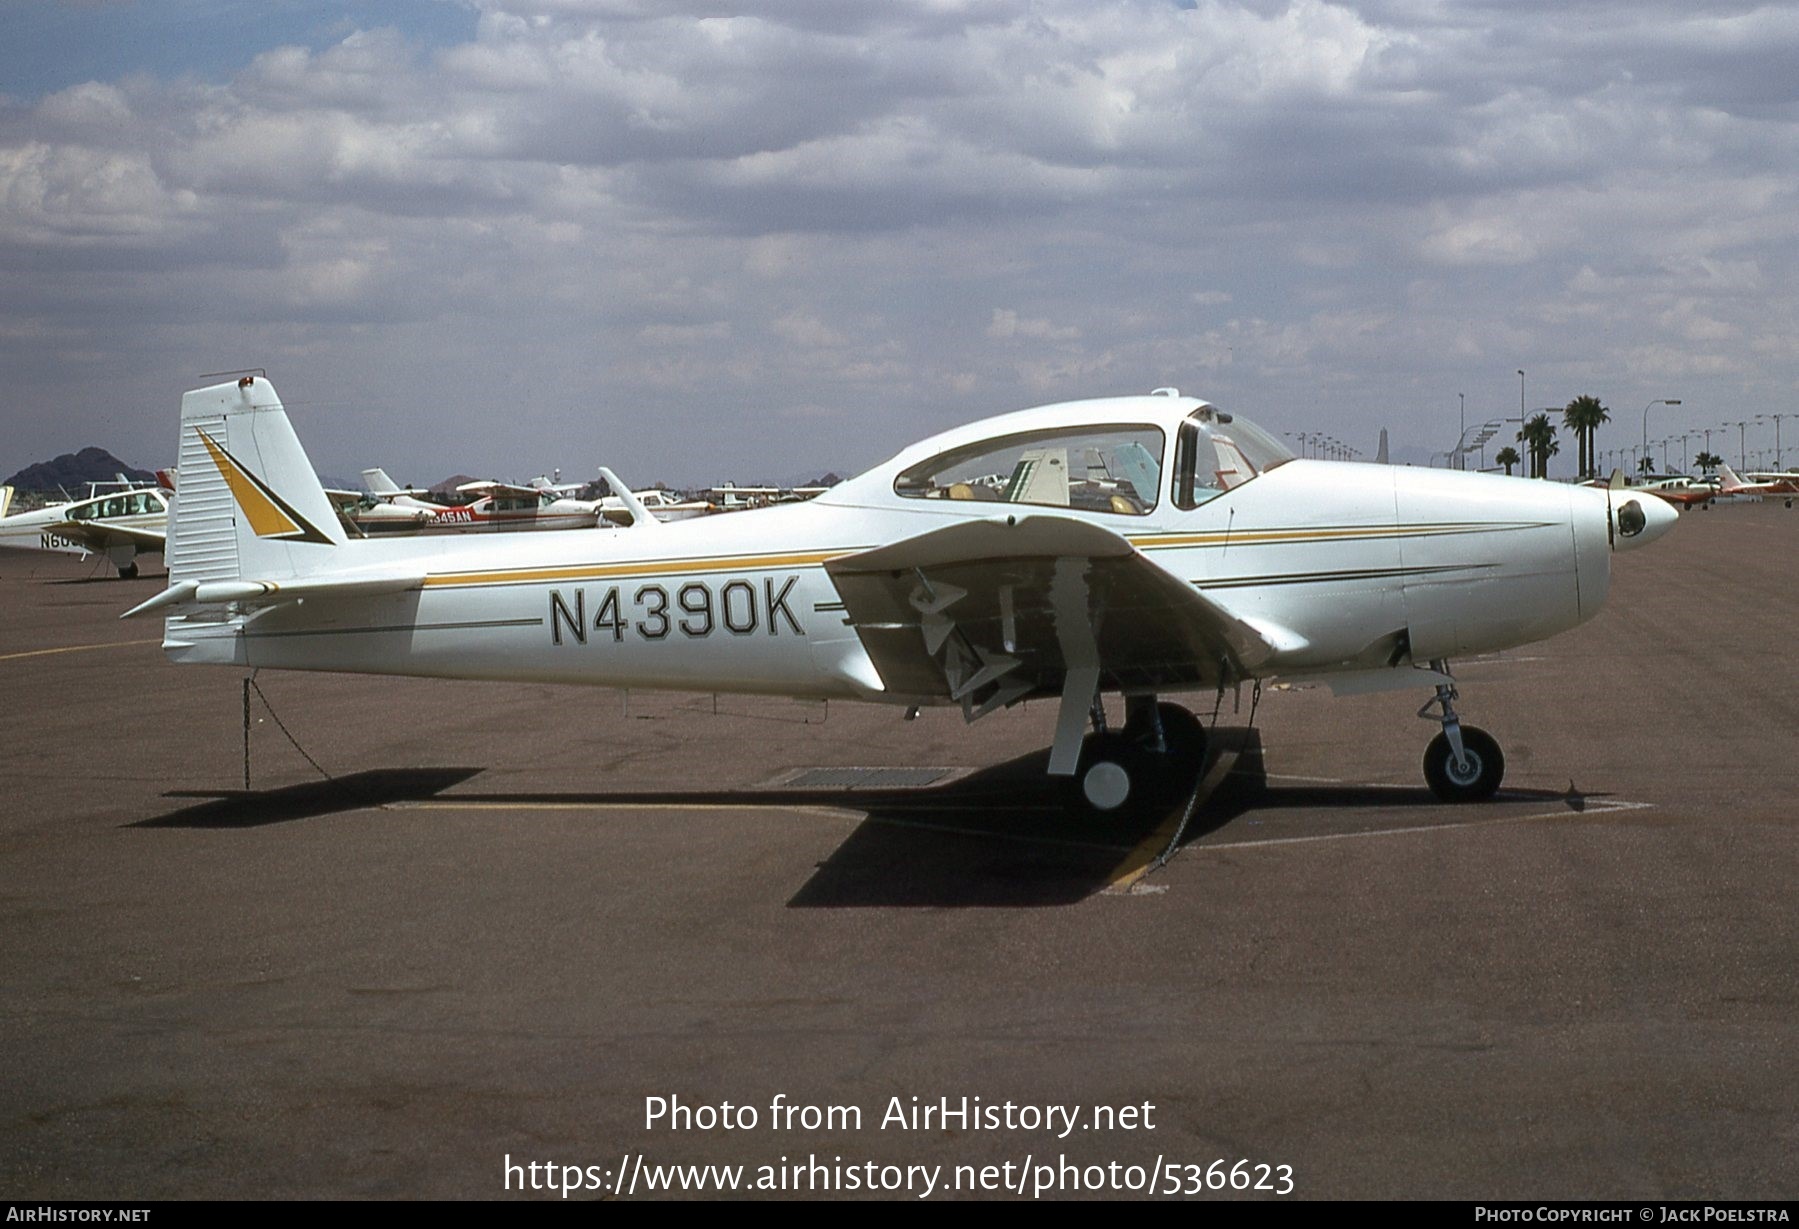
1775 486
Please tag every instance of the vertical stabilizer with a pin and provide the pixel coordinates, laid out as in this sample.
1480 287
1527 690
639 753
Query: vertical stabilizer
249 505
378 483
1380 458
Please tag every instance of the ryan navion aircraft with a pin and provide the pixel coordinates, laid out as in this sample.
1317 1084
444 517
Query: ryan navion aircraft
1133 545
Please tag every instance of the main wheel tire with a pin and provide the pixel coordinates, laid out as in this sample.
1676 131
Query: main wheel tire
1108 776
1473 781
129 571
1106 785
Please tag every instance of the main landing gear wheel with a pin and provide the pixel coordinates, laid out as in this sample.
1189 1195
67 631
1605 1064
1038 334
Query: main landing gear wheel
1146 762
1106 777
1478 774
128 572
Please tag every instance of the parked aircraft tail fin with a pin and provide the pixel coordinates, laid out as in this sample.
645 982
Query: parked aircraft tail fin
378 483
5 500
250 504
1380 458
1731 481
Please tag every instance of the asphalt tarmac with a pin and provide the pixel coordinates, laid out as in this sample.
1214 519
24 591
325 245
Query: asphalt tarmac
511 917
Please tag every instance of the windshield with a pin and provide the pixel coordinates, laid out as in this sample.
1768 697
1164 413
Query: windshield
1215 452
1110 468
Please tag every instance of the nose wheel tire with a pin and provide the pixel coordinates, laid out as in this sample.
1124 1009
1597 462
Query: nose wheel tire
1473 779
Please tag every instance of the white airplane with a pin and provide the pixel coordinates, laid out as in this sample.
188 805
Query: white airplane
387 490
495 506
370 513
1776 486
657 504
120 524
734 498
1144 545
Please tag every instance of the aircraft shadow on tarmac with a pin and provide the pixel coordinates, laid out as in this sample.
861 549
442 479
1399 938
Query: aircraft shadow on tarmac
1003 836
257 808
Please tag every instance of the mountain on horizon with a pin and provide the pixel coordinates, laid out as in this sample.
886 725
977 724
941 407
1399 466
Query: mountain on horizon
72 471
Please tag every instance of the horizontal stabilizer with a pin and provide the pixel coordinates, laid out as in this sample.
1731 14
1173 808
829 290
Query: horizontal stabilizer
270 593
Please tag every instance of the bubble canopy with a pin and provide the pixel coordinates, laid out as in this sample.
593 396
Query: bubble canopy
1106 466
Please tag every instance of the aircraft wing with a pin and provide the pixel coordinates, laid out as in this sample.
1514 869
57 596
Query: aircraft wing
487 487
986 612
99 535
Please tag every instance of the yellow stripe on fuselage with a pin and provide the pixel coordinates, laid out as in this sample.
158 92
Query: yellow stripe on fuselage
703 565
642 567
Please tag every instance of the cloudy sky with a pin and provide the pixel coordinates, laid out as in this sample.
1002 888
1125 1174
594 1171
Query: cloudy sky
502 235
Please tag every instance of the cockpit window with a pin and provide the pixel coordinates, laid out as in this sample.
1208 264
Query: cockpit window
1214 452
1112 468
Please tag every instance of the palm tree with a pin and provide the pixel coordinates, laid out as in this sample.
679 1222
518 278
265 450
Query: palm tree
1583 416
1508 457
1646 466
1538 438
1708 461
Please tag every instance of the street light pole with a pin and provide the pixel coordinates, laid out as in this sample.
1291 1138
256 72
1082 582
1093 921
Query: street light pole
1462 463
1657 401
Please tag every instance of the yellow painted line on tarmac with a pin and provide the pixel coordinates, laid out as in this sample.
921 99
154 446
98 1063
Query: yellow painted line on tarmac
79 648
1141 860
1608 807
475 804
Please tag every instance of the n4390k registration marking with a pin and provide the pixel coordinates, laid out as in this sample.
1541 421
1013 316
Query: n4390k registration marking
690 611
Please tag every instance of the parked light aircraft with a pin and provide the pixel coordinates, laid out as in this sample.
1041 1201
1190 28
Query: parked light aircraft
120 524
734 498
659 504
387 490
509 508
1141 545
1682 492
1777 486
496 506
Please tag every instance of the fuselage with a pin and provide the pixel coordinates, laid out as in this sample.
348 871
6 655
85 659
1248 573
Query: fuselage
1355 567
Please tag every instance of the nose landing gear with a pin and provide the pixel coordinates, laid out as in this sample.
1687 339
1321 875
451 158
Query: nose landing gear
1462 764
